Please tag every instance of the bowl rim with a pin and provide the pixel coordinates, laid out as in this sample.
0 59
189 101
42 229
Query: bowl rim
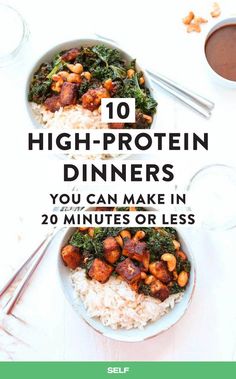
223 22
112 335
67 44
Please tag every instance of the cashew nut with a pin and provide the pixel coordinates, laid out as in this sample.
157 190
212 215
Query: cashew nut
187 20
74 78
147 118
193 28
182 279
139 235
57 83
119 240
216 11
150 279
176 244
170 260
87 75
76 68
125 234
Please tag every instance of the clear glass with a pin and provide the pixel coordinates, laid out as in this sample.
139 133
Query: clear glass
212 195
14 34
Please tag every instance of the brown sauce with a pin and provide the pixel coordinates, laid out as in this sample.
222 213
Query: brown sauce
220 50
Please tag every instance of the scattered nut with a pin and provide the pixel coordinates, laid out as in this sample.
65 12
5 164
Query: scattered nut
193 28
87 75
186 20
216 11
170 260
199 20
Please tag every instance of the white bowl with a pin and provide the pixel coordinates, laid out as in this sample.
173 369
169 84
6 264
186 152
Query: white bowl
132 335
218 78
48 56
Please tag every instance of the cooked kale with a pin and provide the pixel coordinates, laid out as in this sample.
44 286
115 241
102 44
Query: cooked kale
172 232
183 265
175 288
159 244
40 84
144 288
144 101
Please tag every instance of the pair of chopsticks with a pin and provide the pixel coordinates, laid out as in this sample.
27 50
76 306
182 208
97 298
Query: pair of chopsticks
194 101
29 266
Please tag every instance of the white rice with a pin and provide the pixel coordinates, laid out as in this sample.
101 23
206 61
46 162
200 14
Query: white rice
71 117
116 305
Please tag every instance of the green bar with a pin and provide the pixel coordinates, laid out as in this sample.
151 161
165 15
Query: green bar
131 370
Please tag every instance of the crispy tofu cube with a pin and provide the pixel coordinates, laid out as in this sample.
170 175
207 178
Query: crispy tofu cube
159 290
70 55
128 271
111 250
134 249
71 256
52 103
100 271
160 271
68 94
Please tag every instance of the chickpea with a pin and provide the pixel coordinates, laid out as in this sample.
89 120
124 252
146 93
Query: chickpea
83 228
141 80
182 279
87 75
130 73
76 68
